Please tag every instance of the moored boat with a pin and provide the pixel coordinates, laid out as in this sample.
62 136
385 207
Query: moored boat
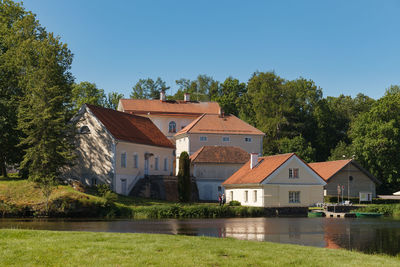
368 214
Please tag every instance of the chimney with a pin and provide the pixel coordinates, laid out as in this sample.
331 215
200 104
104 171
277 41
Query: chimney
186 97
221 113
162 95
253 160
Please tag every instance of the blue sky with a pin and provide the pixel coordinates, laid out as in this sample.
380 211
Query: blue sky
346 47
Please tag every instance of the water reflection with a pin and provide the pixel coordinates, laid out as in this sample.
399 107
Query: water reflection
367 235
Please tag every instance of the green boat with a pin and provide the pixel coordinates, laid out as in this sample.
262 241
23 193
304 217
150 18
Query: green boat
368 214
316 214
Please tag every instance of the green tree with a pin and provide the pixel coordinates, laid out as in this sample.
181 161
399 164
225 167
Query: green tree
376 140
39 70
148 89
204 88
229 97
112 100
86 92
299 146
16 26
342 151
184 180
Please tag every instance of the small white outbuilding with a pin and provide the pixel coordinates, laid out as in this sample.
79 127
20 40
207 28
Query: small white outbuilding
275 181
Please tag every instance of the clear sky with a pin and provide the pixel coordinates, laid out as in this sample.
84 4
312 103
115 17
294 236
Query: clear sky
344 46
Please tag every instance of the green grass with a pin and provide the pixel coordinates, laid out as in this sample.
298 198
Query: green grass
48 248
22 198
392 210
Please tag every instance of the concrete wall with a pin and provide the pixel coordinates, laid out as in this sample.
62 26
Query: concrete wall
132 174
95 156
360 182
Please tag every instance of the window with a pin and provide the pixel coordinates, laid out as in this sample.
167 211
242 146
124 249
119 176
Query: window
293 173
123 160
156 163
84 130
255 195
94 181
172 127
219 188
165 164
296 173
225 139
247 139
135 161
203 138
246 196
231 193
294 196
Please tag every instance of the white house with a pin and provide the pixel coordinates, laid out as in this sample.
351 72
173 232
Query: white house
218 130
275 181
170 116
118 149
212 165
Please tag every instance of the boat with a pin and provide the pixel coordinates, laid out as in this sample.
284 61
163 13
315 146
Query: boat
316 214
368 214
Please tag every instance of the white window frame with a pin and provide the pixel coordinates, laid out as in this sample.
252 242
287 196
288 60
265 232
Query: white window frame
228 139
231 193
255 196
123 160
246 196
296 173
290 173
203 138
294 196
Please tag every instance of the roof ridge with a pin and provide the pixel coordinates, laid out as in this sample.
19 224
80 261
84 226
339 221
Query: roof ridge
291 155
190 125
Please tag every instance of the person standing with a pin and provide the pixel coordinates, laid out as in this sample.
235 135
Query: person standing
220 199
223 199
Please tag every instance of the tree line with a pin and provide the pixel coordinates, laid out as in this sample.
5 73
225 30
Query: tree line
38 97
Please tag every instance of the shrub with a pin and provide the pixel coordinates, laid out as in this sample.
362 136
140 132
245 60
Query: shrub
103 189
234 203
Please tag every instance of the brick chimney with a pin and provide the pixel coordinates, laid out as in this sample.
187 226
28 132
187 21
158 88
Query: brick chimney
221 113
186 97
162 95
253 160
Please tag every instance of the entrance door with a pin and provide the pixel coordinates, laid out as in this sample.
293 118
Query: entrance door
123 187
146 166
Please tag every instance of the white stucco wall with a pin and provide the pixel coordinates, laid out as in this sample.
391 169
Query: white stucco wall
130 173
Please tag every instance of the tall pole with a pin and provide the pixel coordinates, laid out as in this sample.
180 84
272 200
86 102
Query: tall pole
348 181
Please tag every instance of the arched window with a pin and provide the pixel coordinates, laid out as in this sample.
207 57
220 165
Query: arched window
172 127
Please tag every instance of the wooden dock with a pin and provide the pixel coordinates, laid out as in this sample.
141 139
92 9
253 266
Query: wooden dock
329 214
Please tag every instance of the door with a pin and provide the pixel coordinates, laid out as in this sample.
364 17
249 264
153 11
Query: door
123 187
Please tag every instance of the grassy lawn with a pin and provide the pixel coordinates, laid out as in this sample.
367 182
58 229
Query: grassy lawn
48 248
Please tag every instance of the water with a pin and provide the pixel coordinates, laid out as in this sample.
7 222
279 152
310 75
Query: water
366 235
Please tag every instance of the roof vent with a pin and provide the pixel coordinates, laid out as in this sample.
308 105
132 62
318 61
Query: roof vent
186 97
253 160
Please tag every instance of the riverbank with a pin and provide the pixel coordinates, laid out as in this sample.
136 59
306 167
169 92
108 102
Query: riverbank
392 210
51 248
22 198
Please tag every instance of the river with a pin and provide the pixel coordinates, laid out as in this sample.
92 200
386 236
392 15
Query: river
366 235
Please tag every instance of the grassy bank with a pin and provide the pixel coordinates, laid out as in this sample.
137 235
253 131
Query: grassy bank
21 198
387 209
47 248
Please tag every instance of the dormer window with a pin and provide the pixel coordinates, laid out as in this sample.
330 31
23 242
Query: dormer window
172 127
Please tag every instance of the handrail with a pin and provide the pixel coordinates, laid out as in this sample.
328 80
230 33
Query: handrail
134 181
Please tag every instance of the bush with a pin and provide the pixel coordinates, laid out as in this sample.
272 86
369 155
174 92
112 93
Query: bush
234 203
103 189
355 200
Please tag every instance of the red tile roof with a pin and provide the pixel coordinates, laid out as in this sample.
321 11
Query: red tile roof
265 167
131 128
329 168
213 123
170 107
220 154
